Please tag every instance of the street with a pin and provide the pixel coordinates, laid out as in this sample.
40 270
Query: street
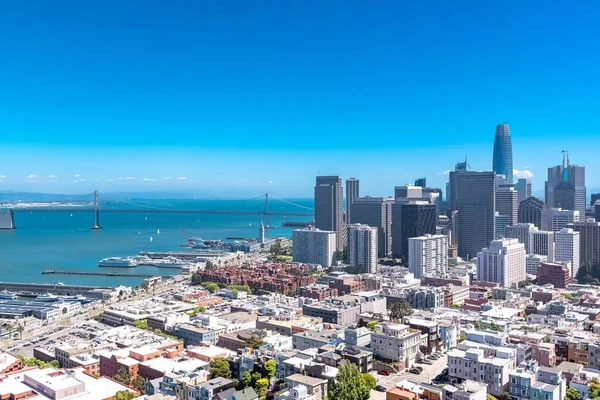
429 372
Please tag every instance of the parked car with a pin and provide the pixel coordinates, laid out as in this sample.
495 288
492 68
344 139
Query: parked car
415 371
426 361
384 372
380 388
418 367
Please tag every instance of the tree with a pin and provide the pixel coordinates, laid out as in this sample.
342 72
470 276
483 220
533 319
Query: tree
139 383
505 396
261 386
209 266
196 311
254 378
255 342
123 376
524 284
568 295
219 367
400 309
370 381
572 394
124 395
372 324
270 368
462 338
211 287
546 339
196 278
246 379
141 324
490 397
54 364
349 384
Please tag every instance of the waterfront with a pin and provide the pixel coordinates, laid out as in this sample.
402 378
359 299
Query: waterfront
62 241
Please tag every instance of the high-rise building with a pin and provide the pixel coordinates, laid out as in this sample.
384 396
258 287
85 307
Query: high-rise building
502 262
507 207
502 162
532 210
565 187
566 248
421 182
362 247
314 246
329 207
589 241
352 193
408 192
559 218
523 187
594 198
416 218
452 191
476 206
521 232
557 274
377 213
532 262
428 255
542 243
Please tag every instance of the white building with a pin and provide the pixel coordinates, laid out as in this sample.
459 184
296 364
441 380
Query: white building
428 255
396 342
362 247
542 243
559 218
532 262
313 246
566 243
503 262
492 371
520 231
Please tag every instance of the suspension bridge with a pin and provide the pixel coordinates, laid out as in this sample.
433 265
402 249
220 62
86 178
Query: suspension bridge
90 203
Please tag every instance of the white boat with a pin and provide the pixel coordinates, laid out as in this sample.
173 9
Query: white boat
142 260
158 231
150 238
47 297
6 295
170 262
78 297
118 262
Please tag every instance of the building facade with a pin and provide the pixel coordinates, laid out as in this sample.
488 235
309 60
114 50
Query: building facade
557 274
542 243
413 219
396 342
523 187
566 183
375 212
566 248
314 246
521 232
502 162
352 192
502 262
362 247
533 210
329 207
589 241
559 218
428 255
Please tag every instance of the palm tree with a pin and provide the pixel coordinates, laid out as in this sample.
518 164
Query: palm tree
20 329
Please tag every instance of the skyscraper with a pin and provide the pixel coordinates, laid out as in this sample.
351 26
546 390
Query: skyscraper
559 218
502 163
421 182
416 218
532 211
352 192
521 232
566 248
476 206
313 246
523 187
589 241
507 207
565 187
428 255
377 213
329 207
362 247
503 261
452 191
542 243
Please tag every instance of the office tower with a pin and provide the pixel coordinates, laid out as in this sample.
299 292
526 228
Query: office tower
313 246
532 211
421 182
507 208
329 207
565 187
452 191
523 187
542 243
416 218
566 248
362 247
532 262
352 192
377 213
428 255
557 274
503 261
408 192
589 241
433 196
521 232
559 218
595 196
502 163
476 206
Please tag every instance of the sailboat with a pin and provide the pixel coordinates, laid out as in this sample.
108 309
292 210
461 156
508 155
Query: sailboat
158 231
151 238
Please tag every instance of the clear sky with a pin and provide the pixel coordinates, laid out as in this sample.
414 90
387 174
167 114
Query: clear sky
250 96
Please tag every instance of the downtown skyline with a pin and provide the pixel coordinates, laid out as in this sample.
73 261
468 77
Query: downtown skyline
248 99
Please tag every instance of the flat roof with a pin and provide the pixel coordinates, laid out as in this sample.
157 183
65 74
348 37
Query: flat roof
306 380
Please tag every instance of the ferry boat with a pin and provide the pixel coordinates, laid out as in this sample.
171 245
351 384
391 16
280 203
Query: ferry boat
118 262
6 295
79 298
170 262
142 260
47 297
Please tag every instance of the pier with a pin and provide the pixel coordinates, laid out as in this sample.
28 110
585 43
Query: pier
116 274
181 255
33 289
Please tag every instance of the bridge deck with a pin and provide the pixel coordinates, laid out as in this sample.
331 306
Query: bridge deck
156 211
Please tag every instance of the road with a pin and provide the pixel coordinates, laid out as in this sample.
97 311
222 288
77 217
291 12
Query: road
429 372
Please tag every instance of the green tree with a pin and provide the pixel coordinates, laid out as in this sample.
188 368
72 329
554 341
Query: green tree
139 383
370 381
20 329
254 378
505 396
196 311
349 384
219 367
400 309
572 394
246 379
490 397
123 376
54 364
141 324
196 278
372 324
568 295
524 284
124 395
211 287
261 386
462 338
546 339
584 274
270 369
209 266
255 342
455 306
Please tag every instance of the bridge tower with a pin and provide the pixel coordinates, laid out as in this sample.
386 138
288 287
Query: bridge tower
7 219
96 212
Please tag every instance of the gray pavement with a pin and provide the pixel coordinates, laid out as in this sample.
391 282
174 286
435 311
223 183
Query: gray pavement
429 372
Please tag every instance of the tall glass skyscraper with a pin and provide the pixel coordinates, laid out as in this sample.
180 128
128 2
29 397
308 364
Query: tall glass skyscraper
503 161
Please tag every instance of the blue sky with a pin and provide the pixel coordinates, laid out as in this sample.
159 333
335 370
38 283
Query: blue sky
250 96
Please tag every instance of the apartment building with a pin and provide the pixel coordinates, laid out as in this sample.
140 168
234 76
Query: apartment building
474 365
396 342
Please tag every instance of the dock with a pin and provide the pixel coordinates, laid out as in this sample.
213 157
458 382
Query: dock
34 289
181 255
116 274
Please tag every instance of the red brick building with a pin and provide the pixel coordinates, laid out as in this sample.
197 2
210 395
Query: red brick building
555 274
